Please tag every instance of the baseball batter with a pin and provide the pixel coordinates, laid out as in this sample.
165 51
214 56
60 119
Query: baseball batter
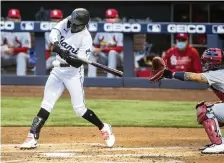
69 37
15 46
211 116
56 16
108 47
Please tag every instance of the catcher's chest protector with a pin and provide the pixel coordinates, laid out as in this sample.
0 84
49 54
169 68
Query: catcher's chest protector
216 82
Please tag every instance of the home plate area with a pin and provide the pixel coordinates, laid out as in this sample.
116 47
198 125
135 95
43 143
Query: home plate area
94 153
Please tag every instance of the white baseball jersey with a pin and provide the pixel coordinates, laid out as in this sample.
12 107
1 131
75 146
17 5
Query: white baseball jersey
79 44
46 36
104 39
16 39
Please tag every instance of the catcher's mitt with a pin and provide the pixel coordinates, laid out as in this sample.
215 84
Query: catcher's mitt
158 68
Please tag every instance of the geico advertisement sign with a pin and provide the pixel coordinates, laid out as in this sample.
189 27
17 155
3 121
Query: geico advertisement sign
174 28
7 25
46 26
118 27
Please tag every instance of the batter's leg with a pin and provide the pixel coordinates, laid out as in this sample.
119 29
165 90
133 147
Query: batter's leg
52 91
76 90
112 61
21 64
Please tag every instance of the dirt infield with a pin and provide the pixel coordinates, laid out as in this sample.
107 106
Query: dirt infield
119 93
84 144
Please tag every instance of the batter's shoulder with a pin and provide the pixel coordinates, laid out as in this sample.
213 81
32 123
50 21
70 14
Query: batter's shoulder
86 35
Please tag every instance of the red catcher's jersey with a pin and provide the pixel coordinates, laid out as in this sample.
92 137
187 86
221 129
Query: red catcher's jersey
187 60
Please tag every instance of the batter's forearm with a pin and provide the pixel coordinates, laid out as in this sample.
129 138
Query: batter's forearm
197 77
73 62
189 76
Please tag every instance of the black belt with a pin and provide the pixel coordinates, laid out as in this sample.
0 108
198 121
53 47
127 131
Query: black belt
64 65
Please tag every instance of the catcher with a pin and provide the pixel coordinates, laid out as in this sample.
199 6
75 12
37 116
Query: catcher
211 116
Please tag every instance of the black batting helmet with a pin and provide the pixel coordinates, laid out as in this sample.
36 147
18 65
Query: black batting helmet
79 19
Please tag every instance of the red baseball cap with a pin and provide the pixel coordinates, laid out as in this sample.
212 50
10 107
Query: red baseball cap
111 13
56 14
14 13
182 36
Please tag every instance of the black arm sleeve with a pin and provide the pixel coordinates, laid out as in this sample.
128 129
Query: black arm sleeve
73 62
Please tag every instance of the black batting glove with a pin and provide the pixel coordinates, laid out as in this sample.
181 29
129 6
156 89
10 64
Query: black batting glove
57 49
168 74
73 61
64 54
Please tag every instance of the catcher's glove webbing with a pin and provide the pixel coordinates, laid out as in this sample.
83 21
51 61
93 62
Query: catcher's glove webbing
159 70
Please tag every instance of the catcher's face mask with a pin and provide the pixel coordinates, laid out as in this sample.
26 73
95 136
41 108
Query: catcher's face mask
211 58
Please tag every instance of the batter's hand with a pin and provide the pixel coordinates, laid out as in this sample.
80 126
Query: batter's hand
56 47
62 53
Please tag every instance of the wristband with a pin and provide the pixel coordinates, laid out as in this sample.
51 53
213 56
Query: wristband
179 75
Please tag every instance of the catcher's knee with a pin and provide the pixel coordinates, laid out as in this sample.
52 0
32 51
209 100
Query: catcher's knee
203 112
206 117
80 110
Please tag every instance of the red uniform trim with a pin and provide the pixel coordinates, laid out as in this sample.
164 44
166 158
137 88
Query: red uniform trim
97 46
47 54
19 50
117 48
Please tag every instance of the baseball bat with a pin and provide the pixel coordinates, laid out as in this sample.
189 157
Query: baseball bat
98 65
101 66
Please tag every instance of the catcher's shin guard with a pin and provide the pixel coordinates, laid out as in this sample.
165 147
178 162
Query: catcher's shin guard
209 121
36 126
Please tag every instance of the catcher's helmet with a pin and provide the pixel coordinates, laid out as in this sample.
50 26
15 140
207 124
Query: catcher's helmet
79 18
212 59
